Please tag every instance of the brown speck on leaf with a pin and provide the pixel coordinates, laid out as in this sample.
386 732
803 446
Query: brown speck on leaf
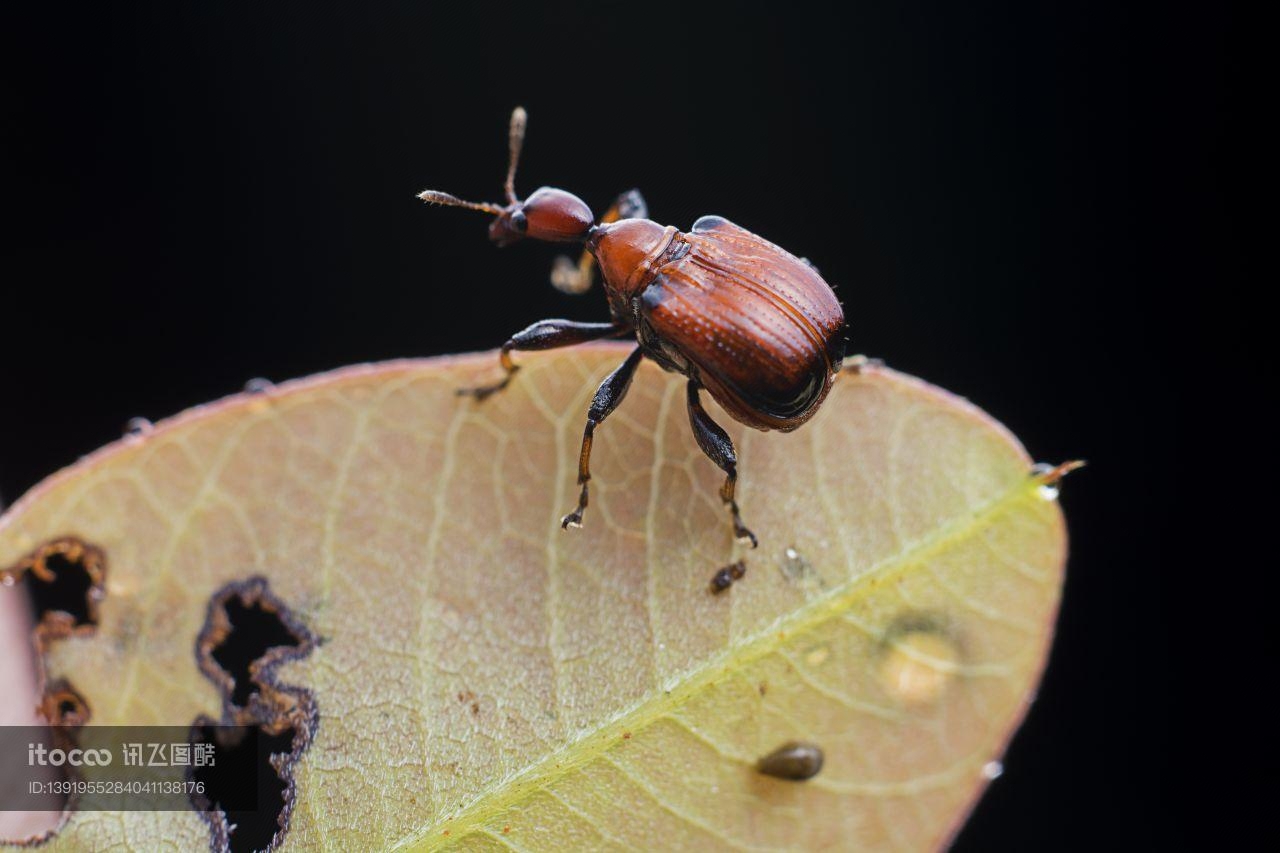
794 761
763 688
506 830
725 577
626 735
467 697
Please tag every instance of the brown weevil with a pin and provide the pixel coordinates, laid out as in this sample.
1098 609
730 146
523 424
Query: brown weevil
754 325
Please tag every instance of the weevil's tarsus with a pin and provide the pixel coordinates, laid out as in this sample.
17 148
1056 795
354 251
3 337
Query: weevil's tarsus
484 392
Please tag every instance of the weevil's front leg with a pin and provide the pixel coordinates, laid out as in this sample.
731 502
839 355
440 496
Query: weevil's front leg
546 334
715 442
568 277
608 396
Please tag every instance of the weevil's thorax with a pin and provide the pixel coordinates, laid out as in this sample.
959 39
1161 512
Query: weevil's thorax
630 252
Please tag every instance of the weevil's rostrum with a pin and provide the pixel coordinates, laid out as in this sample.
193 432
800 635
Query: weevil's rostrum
754 325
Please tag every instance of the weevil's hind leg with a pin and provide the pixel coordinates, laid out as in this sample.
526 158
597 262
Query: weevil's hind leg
546 334
568 277
608 396
715 442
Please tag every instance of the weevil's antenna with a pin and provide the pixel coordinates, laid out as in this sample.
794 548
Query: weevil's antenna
437 197
515 141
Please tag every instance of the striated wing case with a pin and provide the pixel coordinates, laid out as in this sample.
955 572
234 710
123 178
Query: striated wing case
775 328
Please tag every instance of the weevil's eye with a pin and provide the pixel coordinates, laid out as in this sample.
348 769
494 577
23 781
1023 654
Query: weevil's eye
509 227
556 215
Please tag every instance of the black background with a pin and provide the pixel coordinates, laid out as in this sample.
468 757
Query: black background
1008 196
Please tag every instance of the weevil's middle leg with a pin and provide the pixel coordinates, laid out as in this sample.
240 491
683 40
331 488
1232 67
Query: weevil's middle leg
715 442
608 396
546 334
568 277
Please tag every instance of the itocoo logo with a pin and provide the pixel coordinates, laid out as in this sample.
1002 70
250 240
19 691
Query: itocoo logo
37 753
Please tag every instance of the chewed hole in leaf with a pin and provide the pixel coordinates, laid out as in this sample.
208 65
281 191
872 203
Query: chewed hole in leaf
254 629
66 591
66 711
266 725
250 758
245 623
63 707
64 580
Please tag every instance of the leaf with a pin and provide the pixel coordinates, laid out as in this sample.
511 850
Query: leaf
484 679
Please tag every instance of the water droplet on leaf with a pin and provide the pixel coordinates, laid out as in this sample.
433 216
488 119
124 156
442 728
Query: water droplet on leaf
918 666
138 426
258 385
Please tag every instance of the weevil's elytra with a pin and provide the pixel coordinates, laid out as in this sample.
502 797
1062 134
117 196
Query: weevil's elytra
750 323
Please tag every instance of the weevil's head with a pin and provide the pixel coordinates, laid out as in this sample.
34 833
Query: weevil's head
549 214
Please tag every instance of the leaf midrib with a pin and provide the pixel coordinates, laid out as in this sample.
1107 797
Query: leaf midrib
511 789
